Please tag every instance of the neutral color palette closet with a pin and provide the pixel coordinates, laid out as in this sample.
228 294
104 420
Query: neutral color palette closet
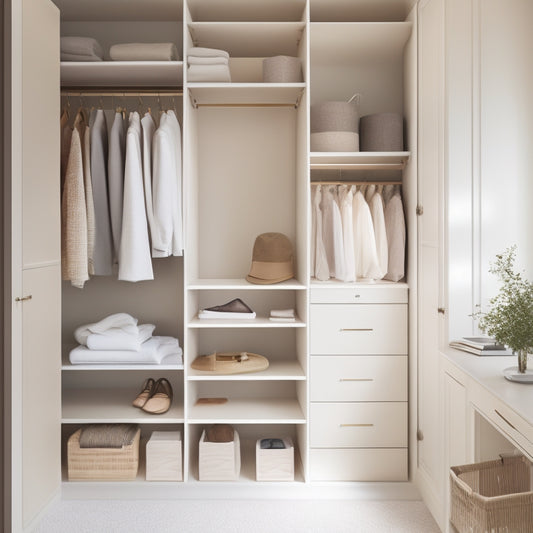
247 170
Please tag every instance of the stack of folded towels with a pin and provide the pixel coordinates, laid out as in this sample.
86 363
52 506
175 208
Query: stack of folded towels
144 52
283 315
117 339
81 49
208 64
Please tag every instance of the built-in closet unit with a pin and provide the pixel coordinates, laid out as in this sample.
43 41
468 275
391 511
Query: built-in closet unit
247 170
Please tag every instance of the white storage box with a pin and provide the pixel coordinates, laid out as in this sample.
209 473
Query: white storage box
163 456
275 464
219 461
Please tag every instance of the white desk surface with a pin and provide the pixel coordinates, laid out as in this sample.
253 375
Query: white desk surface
487 371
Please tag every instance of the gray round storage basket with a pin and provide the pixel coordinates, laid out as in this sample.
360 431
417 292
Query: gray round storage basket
334 141
381 132
282 69
335 116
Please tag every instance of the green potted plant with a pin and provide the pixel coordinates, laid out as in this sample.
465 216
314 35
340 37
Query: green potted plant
510 316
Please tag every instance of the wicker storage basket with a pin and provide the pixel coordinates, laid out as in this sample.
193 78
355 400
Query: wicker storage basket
493 497
107 464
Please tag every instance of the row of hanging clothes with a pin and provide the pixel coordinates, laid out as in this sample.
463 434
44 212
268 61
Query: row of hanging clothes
358 232
121 183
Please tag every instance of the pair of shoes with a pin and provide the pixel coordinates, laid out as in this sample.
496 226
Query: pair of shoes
155 396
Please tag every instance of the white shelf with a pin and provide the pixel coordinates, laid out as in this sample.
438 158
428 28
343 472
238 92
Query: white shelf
249 411
246 93
249 39
359 160
246 10
360 10
260 322
277 371
242 284
346 42
122 74
169 363
83 406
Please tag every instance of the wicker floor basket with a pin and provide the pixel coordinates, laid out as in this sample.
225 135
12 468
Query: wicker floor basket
493 497
97 464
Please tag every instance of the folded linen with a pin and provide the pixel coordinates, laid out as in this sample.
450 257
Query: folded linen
79 57
282 313
117 339
221 314
144 52
107 435
152 351
81 46
215 73
193 60
122 321
198 51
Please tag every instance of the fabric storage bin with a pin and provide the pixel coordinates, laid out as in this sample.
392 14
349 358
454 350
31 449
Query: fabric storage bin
163 456
282 69
335 117
219 461
492 496
275 464
335 141
104 464
381 132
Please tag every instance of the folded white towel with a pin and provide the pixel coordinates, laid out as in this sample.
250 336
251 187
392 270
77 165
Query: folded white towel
117 339
193 60
153 350
123 321
81 46
144 52
213 73
283 313
206 52
79 57
204 313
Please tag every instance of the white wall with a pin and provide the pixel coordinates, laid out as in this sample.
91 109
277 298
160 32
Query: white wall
489 134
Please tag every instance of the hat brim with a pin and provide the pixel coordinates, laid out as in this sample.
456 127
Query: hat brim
265 273
261 281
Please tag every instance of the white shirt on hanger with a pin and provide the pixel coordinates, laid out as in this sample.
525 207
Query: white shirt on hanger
321 261
346 200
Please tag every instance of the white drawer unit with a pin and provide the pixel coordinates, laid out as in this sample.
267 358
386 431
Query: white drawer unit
379 293
367 329
366 464
359 425
358 378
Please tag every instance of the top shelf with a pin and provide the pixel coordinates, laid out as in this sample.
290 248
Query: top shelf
246 10
360 10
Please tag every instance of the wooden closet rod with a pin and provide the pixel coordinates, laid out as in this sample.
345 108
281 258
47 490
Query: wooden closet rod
356 183
120 92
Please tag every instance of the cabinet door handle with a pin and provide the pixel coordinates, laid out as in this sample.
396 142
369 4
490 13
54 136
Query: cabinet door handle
356 425
356 379
504 419
356 329
23 299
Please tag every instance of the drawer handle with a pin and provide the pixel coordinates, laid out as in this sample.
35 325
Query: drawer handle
504 419
23 299
356 379
356 425
356 329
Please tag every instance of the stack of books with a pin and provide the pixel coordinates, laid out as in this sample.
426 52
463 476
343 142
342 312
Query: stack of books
480 346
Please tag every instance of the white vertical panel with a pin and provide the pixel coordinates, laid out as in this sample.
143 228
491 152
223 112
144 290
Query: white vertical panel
506 82
40 131
41 389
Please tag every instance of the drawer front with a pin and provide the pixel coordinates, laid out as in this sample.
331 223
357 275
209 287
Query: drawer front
359 329
379 293
359 378
359 465
358 425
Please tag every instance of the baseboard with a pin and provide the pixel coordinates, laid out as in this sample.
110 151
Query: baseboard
225 491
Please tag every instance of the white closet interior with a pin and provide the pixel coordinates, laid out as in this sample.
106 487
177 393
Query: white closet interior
246 170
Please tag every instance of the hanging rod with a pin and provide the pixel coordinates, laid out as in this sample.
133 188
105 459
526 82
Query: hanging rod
119 92
357 166
356 183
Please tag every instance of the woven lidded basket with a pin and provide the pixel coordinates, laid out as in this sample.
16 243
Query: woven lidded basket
493 497
282 69
107 464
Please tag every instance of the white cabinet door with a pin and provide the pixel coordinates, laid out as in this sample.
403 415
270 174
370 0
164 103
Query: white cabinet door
35 323
430 170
